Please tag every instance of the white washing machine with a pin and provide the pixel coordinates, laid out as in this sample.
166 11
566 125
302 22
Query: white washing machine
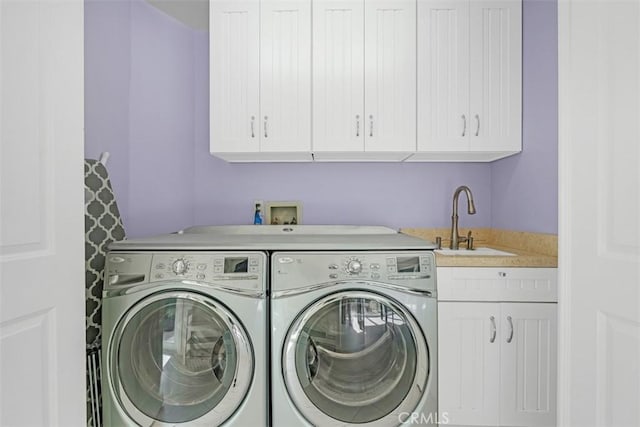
353 338
184 337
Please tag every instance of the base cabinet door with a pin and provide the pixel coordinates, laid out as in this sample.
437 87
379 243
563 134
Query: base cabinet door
497 363
528 358
469 360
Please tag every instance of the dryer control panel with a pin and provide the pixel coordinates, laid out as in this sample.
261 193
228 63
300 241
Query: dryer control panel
415 269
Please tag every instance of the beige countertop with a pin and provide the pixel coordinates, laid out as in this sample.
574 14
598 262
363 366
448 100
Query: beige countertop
530 249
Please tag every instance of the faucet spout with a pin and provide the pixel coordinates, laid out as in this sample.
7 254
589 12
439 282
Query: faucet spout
471 209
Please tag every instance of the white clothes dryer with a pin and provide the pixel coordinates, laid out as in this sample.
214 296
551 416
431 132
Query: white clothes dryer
185 338
354 338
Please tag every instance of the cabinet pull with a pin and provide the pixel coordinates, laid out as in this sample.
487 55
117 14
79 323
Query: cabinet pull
253 121
266 135
371 125
493 329
464 125
510 329
357 125
478 128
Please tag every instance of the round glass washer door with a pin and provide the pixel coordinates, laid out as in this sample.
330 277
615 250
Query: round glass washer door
355 357
177 357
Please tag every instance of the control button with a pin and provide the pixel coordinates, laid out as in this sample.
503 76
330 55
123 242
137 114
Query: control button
160 266
159 276
333 266
218 261
217 269
253 261
375 275
375 266
391 269
253 269
333 276
354 266
180 266
200 276
202 267
391 261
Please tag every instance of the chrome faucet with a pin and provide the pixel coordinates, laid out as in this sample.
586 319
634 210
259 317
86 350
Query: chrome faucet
456 239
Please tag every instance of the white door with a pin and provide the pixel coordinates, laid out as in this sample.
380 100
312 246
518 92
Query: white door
599 221
42 287
338 75
528 358
443 75
469 362
235 76
496 75
390 75
285 76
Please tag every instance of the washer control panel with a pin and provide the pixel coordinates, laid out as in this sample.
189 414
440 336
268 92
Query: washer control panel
205 267
402 267
242 269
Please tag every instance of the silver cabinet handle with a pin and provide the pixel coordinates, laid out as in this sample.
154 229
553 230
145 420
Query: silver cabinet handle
357 125
253 121
371 125
266 135
493 329
510 329
464 124
478 128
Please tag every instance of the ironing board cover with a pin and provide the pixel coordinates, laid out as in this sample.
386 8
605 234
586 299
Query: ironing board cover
102 225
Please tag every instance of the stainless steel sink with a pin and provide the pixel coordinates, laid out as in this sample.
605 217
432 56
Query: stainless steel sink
474 252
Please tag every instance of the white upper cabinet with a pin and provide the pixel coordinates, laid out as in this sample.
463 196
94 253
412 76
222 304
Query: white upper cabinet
260 85
338 76
234 76
364 79
285 77
390 76
469 79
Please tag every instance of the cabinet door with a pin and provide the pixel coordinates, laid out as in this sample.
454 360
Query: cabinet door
285 76
390 75
338 75
234 75
468 355
528 364
443 75
496 75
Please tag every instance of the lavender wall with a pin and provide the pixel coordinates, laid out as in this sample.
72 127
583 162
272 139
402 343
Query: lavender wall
106 77
524 188
171 180
161 126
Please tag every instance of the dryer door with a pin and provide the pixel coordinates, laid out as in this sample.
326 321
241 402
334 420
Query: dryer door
355 357
178 357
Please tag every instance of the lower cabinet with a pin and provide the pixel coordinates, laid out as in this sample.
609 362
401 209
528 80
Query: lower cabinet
497 361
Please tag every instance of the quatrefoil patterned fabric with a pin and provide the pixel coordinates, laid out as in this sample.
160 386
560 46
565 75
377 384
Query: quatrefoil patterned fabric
102 225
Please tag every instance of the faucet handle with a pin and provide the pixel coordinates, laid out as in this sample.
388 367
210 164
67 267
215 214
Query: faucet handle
469 241
439 242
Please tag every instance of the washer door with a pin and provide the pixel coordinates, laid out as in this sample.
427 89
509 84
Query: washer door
177 356
355 357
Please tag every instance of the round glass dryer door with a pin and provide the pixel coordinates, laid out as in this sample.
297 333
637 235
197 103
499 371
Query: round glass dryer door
357 358
175 357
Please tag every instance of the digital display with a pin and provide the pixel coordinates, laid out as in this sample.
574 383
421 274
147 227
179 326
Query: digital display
236 265
408 264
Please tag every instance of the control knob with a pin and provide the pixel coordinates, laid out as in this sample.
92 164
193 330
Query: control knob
180 266
354 266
